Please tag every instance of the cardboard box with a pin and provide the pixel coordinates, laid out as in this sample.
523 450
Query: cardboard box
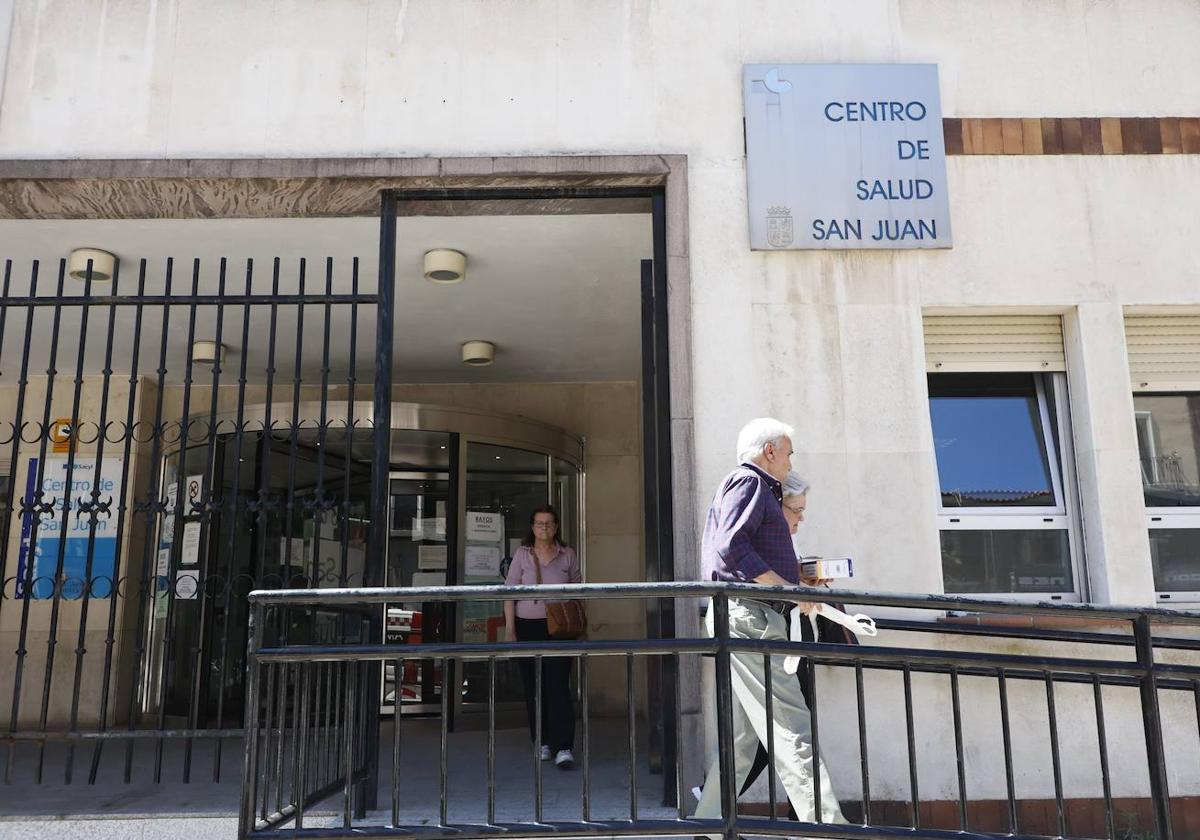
827 567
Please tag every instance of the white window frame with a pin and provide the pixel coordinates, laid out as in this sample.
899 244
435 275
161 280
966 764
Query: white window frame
1062 516
1167 518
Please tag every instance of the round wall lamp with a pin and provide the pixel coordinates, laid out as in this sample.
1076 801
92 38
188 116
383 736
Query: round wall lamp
478 353
103 264
445 266
207 352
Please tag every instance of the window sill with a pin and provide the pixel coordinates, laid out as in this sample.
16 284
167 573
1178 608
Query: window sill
1038 622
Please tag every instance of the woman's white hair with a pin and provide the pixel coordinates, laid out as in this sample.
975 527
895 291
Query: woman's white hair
755 435
794 485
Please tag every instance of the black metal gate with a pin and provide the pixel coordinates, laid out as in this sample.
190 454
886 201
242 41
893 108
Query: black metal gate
171 438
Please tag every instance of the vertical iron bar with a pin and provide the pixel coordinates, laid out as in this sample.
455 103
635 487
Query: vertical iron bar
538 739
769 691
399 666
960 760
1006 735
444 757
1102 739
289 507
724 685
864 764
14 509
60 581
269 733
912 748
250 743
351 383
1143 636
94 510
814 716
678 701
300 744
185 433
491 742
122 511
206 510
348 744
1055 756
587 739
375 570
285 673
235 498
152 509
632 725
36 502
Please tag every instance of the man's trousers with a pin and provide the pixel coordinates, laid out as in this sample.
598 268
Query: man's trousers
750 619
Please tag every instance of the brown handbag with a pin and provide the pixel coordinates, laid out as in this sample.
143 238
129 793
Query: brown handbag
564 619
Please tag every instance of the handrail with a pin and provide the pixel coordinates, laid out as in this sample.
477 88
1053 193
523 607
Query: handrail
677 589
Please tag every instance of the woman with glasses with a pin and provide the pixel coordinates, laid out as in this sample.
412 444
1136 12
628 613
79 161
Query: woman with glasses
545 559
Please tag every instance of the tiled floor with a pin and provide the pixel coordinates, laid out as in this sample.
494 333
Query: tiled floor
420 794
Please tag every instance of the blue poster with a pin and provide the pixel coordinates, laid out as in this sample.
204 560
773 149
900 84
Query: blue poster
88 562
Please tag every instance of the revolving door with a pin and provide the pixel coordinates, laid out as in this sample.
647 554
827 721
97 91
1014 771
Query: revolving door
248 510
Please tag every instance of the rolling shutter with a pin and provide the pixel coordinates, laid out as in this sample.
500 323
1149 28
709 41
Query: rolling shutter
981 343
1164 352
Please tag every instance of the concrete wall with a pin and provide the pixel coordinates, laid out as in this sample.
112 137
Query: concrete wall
830 341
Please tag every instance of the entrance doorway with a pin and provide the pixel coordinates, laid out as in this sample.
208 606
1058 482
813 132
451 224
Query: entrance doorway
552 282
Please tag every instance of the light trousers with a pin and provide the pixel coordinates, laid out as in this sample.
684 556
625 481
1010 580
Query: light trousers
792 722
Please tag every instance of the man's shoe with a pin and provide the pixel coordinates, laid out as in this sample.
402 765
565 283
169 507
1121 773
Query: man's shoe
565 760
544 753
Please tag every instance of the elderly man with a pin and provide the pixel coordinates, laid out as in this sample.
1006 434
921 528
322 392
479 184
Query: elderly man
747 539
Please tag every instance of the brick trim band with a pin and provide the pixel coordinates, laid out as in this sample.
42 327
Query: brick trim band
1072 136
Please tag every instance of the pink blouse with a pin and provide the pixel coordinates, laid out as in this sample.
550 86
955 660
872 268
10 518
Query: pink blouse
564 568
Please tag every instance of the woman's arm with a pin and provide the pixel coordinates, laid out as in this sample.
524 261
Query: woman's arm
510 621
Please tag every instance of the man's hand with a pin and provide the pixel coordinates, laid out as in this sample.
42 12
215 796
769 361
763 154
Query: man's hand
773 579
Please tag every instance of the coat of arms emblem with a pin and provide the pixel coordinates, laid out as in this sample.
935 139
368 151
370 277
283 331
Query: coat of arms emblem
779 227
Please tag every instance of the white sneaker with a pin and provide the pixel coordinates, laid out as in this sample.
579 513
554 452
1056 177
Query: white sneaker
544 753
565 760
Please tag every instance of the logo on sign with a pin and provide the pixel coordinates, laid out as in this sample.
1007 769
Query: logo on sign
779 227
60 434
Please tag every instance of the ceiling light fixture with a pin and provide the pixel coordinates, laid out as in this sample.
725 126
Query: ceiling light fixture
478 353
103 265
206 352
445 266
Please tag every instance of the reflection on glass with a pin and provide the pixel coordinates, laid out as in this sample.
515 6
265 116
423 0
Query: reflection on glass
508 483
1175 555
1006 561
1168 431
987 435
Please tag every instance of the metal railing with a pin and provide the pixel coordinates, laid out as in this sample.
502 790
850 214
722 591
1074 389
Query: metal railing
1122 663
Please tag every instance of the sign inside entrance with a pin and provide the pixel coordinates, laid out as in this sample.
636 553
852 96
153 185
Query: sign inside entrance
845 156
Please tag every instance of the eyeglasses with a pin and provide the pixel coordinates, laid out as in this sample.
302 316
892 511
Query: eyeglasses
545 525
799 511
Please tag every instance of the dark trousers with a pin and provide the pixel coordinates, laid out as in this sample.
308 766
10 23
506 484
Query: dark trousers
558 707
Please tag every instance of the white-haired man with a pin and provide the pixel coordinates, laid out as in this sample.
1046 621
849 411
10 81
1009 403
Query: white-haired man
748 539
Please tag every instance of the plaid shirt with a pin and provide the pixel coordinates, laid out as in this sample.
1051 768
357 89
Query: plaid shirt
745 533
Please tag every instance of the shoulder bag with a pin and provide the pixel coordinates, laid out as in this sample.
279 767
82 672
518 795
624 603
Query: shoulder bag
564 619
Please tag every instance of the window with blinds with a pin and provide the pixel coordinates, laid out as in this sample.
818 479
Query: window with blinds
1003 343
1164 352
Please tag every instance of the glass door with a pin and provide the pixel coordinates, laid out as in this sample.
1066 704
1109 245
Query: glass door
420 543
502 485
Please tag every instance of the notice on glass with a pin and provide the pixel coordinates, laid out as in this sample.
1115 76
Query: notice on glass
429 579
482 561
186 585
189 554
483 526
431 557
164 562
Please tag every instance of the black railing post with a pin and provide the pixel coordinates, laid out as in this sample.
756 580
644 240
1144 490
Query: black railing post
250 741
1156 764
724 681
381 432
